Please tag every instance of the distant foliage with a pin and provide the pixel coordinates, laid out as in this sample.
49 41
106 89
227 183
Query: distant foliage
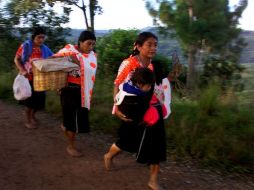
37 14
224 70
8 43
208 25
113 48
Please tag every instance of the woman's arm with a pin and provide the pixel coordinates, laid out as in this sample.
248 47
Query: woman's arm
118 113
17 61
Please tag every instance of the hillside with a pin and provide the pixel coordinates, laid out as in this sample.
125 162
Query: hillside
167 45
248 52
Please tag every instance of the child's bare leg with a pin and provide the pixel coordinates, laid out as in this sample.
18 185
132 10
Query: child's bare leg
113 151
153 181
71 149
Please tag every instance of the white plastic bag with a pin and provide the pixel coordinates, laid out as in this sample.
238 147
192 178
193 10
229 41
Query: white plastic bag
21 88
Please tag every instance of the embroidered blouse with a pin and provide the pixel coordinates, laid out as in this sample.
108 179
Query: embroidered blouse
35 54
85 76
126 69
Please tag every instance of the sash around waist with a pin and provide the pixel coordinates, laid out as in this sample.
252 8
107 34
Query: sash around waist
74 80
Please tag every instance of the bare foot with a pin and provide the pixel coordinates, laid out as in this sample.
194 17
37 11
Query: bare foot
107 162
30 126
62 127
35 121
154 186
73 152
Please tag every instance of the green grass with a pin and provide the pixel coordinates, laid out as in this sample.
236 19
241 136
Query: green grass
216 129
6 83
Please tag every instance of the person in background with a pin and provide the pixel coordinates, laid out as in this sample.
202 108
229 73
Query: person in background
30 50
152 147
76 96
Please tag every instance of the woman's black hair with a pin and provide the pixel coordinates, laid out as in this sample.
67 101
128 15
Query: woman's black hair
86 35
140 40
158 72
142 75
37 31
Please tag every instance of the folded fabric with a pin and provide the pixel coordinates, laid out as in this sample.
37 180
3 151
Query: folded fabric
55 64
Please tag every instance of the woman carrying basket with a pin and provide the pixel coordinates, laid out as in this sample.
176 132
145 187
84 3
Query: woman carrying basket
76 96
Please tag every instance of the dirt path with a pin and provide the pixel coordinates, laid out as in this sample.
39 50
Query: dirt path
36 160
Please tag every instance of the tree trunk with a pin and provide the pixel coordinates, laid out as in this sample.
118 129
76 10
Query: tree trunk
92 9
191 68
84 12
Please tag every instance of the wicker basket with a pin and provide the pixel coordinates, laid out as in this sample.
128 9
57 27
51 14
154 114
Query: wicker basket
53 80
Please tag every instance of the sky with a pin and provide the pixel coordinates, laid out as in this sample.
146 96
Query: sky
130 14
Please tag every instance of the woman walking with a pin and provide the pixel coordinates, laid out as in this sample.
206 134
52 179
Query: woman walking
30 50
151 148
76 96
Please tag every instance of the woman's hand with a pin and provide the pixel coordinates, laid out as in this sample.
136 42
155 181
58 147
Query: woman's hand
74 59
23 72
121 116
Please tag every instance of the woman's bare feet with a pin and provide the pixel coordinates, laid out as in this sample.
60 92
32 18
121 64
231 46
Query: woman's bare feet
154 186
30 126
107 162
73 152
35 121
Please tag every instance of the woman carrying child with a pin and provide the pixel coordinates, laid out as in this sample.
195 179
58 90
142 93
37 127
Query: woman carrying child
151 148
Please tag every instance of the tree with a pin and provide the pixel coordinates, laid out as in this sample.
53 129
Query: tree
199 24
113 48
94 9
8 43
34 14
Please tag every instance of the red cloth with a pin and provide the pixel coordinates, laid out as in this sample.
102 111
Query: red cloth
151 116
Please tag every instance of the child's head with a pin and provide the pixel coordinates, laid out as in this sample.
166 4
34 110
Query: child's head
86 41
145 44
143 78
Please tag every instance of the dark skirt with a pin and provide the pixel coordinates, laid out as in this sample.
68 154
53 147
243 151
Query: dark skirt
148 142
129 133
75 117
152 147
36 101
